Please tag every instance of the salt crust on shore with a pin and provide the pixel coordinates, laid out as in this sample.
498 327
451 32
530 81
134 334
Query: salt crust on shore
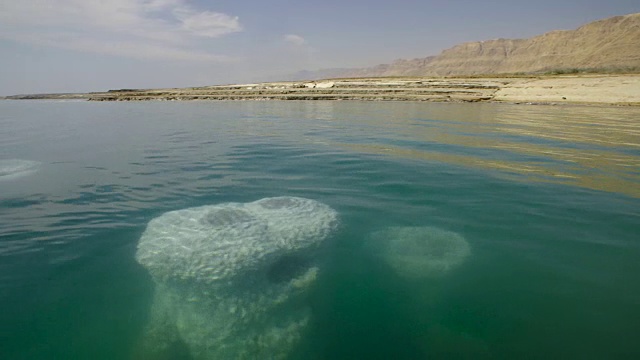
583 89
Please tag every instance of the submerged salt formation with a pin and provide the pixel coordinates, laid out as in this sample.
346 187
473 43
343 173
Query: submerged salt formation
230 278
15 168
420 252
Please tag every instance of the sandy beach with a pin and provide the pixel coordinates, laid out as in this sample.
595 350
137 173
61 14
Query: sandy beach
596 89
619 89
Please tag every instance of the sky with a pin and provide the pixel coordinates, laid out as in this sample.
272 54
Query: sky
96 45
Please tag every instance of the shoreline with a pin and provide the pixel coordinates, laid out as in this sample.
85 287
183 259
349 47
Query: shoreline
581 89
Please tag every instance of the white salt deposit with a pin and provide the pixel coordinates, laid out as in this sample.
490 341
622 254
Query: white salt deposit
230 277
15 168
420 252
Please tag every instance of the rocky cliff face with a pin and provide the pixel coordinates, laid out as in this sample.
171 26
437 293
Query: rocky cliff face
608 44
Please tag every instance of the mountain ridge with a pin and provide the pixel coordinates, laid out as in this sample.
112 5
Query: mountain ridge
606 45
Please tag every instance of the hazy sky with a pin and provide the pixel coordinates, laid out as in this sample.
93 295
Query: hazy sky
94 45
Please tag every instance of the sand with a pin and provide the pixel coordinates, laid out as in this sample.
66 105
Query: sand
610 89
595 89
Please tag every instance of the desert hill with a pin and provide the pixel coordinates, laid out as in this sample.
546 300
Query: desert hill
607 45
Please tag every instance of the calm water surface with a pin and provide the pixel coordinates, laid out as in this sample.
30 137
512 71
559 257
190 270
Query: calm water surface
548 199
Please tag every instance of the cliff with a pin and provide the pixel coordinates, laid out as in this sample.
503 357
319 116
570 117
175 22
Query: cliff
609 45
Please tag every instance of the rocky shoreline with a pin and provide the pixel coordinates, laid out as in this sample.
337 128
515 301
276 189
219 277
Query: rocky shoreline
556 89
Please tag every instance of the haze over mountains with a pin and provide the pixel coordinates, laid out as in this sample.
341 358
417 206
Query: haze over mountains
607 45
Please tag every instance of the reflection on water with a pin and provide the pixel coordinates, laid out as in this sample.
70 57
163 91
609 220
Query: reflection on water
592 147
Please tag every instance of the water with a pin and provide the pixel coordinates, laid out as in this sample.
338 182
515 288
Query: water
547 197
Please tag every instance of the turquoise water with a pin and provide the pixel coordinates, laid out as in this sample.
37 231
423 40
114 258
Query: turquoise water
548 199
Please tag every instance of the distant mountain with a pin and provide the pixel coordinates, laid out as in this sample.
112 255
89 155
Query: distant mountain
606 45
